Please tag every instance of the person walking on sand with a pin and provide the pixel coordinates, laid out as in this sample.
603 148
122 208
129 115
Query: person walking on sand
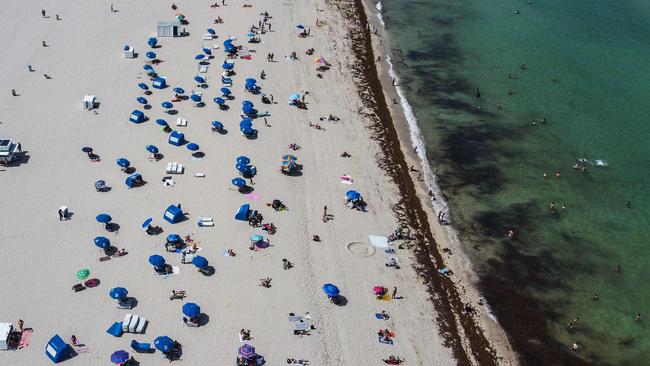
324 213
61 217
394 293
43 13
21 324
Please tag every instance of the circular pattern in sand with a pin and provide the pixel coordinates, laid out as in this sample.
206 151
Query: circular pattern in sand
360 249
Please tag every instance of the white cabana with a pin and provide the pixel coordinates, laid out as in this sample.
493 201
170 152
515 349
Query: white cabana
169 29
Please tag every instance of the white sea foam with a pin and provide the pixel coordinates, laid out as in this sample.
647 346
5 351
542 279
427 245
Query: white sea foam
379 6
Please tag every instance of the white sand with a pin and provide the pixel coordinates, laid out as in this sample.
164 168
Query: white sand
41 255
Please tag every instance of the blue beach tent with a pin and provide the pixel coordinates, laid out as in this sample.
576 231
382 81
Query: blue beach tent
137 116
176 138
133 180
57 350
159 83
242 213
173 214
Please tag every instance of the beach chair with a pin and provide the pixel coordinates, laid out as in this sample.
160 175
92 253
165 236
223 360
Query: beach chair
207 37
133 323
126 321
205 222
226 81
203 69
182 122
142 347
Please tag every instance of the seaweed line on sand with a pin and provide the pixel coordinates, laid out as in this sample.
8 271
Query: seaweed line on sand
409 211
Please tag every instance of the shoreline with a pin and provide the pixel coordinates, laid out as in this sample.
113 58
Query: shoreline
486 338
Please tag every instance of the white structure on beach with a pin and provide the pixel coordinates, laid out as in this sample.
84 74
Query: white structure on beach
169 29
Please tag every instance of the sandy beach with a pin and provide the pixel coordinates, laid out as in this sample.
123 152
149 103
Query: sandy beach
42 254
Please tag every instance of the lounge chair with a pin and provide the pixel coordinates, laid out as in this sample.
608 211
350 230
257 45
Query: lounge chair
142 347
226 81
133 323
203 69
182 122
141 325
174 168
205 222
126 321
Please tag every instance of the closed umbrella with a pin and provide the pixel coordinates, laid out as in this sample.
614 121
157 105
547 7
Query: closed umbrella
119 357
331 290
219 101
191 309
143 86
142 100
152 149
239 182
102 242
146 223
218 125
150 55
200 262
195 98
118 293
123 162
157 260
163 344
161 122
192 147
243 160
103 218
167 105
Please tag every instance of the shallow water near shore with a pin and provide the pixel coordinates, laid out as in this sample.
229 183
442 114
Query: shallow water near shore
577 72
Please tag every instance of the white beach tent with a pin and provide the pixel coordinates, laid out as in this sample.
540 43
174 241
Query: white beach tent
169 29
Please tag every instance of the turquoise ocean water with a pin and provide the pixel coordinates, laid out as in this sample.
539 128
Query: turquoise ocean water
572 80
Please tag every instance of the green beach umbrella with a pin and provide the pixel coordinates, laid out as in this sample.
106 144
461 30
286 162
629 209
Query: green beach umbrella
83 274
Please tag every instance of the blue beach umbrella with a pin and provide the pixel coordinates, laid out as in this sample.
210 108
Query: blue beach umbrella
192 146
256 238
239 182
352 195
152 149
124 163
250 81
250 34
217 125
331 290
118 293
248 109
179 90
152 41
207 51
143 86
247 351
195 98
87 149
102 242
103 218
150 55
200 262
246 130
163 344
147 67
199 56
243 160
225 91
246 123
228 66
167 105
119 357
146 223
161 122
199 79
211 31
191 309
142 100
157 260
172 238
300 26
241 167
219 101
294 96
